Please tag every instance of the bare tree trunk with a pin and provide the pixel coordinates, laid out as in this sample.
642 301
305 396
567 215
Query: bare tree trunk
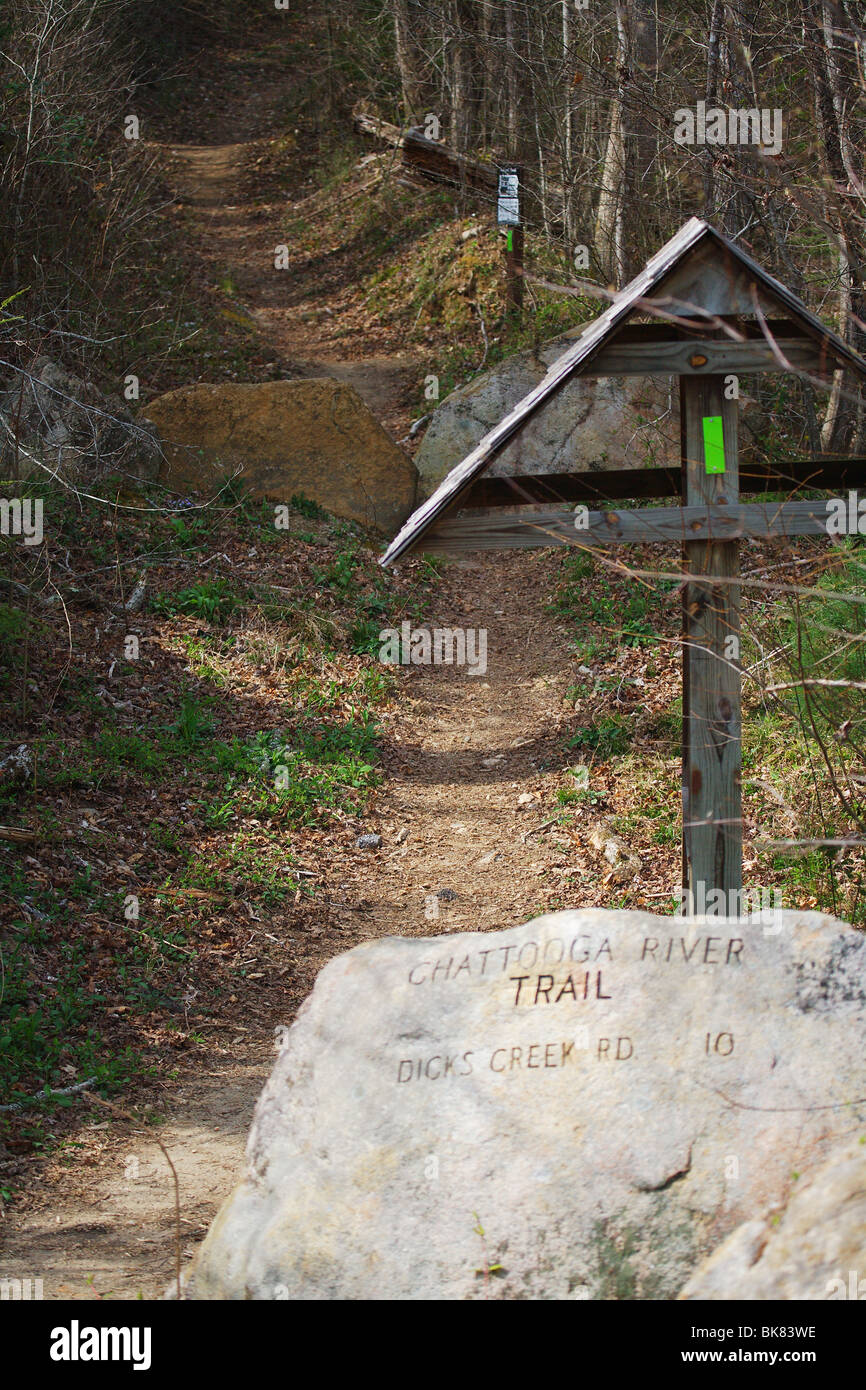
844 424
521 114
512 86
841 84
711 95
629 175
609 248
567 131
643 229
464 95
737 81
486 68
842 427
608 221
408 58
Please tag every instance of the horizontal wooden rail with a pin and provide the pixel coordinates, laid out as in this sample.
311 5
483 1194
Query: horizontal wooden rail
615 484
528 527
704 357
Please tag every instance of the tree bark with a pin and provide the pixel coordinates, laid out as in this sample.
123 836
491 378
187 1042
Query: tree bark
711 96
625 224
609 248
464 94
568 129
830 65
409 63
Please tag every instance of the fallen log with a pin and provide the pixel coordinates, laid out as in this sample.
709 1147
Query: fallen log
19 835
428 159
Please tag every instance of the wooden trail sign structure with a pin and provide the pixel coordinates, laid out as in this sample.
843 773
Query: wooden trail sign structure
715 312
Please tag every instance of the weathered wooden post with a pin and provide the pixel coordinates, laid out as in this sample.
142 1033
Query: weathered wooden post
712 723
514 267
508 216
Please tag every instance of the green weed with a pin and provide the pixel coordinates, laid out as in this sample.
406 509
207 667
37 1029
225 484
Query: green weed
609 737
211 599
305 506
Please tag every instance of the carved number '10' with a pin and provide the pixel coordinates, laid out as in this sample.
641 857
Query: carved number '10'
723 1044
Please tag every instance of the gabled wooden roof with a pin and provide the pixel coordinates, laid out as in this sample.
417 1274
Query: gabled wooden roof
726 281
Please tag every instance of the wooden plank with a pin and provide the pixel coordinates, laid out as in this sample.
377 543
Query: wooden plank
514 268
661 331
714 281
712 713
721 273
523 528
553 488
613 484
704 357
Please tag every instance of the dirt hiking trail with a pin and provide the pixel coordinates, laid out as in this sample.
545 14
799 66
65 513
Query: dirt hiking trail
466 810
297 311
464 844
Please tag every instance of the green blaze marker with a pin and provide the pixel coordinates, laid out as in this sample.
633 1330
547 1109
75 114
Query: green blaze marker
714 444
508 239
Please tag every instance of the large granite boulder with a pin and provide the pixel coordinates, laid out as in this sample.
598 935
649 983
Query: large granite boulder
314 436
814 1250
581 1107
590 425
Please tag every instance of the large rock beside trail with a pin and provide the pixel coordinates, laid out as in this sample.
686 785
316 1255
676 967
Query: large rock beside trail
814 1250
580 1107
590 425
315 437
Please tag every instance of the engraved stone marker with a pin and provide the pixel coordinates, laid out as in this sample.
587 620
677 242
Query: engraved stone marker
581 1107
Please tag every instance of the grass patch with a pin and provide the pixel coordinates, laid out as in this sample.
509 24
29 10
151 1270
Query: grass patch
609 737
608 612
305 506
50 1007
214 600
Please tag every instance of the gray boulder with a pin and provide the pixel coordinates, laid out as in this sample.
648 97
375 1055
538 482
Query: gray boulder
814 1249
590 425
71 427
580 1107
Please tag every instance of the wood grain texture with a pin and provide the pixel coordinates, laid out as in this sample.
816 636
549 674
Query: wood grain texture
526 528
428 158
712 713
612 484
681 358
